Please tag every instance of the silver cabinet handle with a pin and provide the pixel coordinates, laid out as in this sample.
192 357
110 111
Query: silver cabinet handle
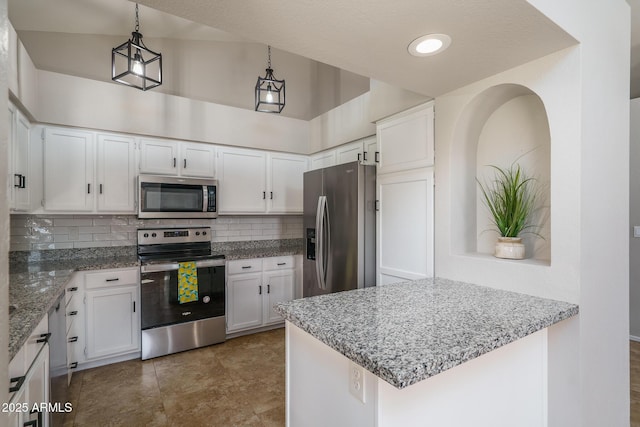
259 289
185 164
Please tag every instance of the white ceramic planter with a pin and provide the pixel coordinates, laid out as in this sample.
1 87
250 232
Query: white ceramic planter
509 248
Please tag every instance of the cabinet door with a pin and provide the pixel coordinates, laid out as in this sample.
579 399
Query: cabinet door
351 152
285 183
38 389
244 301
323 159
20 151
12 179
407 141
158 157
116 173
113 325
242 181
371 153
197 160
405 226
279 288
68 170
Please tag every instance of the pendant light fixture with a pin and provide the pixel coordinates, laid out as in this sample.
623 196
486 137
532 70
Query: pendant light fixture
270 96
133 64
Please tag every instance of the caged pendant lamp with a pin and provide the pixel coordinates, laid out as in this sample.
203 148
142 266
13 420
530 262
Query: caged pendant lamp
135 65
270 95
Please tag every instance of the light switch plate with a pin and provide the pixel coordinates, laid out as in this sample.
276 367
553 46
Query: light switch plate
636 231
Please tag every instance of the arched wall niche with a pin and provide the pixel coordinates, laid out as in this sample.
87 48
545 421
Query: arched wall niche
504 124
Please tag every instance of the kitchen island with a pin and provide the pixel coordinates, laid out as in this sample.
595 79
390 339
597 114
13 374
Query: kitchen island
434 352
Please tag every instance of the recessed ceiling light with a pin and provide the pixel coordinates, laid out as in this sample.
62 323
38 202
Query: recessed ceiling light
429 44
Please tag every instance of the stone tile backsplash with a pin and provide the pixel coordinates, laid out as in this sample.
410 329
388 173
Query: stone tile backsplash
37 232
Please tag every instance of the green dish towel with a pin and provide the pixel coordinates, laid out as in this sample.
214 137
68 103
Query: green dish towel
187 282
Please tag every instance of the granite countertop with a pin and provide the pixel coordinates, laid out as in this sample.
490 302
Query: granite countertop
35 286
38 278
407 332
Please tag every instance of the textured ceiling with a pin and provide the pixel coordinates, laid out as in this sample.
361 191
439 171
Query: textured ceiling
370 37
366 37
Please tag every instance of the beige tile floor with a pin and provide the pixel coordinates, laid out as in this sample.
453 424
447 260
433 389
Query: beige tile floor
237 383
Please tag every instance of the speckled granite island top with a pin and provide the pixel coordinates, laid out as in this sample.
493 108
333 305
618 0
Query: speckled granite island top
407 332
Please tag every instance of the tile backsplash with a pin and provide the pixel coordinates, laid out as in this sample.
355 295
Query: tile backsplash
36 232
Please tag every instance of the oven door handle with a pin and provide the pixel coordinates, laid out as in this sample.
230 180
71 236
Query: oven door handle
173 266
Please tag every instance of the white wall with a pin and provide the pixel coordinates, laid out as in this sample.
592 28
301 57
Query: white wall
634 219
221 72
4 214
74 101
585 91
387 100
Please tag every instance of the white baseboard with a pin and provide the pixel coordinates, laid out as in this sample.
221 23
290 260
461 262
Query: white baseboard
634 338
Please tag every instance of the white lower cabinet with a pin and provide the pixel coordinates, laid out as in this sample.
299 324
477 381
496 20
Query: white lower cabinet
112 313
253 287
29 375
103 317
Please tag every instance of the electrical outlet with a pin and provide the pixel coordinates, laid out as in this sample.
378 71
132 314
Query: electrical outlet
636 231
356 381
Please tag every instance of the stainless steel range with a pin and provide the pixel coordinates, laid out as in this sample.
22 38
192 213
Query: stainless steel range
169 322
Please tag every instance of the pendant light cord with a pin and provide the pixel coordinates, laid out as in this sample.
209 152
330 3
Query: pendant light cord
269 50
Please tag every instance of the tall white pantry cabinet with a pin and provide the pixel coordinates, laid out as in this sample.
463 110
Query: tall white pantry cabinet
405 194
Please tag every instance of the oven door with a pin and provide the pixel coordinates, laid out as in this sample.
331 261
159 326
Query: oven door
159 294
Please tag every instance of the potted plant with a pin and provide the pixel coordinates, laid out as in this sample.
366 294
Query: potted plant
511 197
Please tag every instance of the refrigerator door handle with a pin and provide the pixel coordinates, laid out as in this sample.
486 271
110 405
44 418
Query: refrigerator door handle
319 253
326 242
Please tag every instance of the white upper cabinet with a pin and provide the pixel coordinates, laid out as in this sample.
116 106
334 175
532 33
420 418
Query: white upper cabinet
68 170
351 152
252 181
242 181
198 160
371 154
285 177
88 172
116 173
20 179
164 157
406 140
324 159
158 157
364 150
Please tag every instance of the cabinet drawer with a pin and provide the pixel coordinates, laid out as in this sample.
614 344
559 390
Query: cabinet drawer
244 266
110 278
279 263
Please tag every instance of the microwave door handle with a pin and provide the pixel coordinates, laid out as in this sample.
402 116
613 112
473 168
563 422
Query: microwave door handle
205 198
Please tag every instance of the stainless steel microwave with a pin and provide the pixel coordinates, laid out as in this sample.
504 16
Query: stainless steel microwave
174 197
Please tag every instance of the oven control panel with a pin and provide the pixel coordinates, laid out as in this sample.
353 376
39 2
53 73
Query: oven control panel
155 236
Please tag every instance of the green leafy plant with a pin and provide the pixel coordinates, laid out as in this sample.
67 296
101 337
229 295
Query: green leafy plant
511 198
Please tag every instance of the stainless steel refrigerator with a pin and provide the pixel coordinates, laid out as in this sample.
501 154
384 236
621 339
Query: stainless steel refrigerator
339 225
